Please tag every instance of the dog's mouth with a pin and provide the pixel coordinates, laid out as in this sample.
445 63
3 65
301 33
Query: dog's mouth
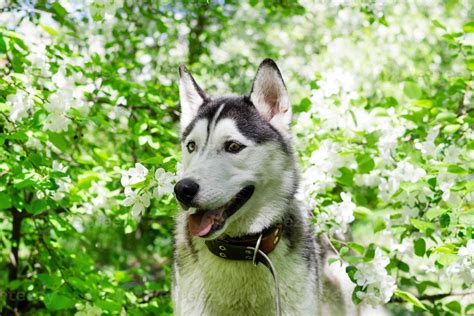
205 222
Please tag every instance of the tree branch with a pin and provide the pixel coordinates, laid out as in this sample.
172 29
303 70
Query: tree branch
17 219
433 297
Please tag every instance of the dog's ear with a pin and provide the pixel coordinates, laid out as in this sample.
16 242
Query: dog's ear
191 96
270 97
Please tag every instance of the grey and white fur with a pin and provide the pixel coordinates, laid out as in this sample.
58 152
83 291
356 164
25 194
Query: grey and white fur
259 123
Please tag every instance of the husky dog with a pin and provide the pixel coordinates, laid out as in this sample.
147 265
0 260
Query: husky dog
238 184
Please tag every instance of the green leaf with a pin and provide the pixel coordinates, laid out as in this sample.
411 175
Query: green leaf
109 305
468 27
379 224
445 259
451 128
370 252
456 169
435 212
85 180
454 306
17 62
343 251
468 308
59 141
410 298
361 212
36 206
412 90
5 201
444 220
469 63
3 45
420 247
421 287
351 270
59 10
21 136
332 260
403 266
49 280
426 227
357 247
157 160
439 25
303 106
50 30
56 302
355 299
425 103
365 163
162 28
347 177
446 248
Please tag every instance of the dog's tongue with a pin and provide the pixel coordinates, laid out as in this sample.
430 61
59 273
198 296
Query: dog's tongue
199 224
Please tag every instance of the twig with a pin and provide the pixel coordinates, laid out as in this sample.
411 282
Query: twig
433 297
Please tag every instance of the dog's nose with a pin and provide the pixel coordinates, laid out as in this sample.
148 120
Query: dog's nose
185 190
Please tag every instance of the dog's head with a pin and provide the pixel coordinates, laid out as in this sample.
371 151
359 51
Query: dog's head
238 167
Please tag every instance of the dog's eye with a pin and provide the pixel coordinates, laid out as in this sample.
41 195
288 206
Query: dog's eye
191 146
233 147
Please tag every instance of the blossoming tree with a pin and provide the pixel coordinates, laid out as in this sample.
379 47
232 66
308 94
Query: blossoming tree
382 95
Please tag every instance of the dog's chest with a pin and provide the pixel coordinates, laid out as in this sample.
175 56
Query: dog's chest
216 286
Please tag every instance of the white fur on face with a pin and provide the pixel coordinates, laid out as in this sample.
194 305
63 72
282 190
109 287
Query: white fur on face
221 175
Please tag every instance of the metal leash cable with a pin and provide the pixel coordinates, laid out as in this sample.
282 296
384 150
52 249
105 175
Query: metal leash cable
268 263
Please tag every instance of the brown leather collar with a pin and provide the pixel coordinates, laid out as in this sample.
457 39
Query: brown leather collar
244 248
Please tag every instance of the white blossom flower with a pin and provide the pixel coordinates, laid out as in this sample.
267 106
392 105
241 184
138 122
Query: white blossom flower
377 285
134 175
56 123
22 103
101 195
468 250
452 154
371 179
165 182
33 142
64 185
326 157
88 310
446 181
404 172
464 267
337 215
325 162
428 147
57 166
139 202
67 95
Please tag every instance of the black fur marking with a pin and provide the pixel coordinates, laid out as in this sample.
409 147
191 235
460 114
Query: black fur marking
207 111
248 120
190 245
294 230
243 112
309 254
